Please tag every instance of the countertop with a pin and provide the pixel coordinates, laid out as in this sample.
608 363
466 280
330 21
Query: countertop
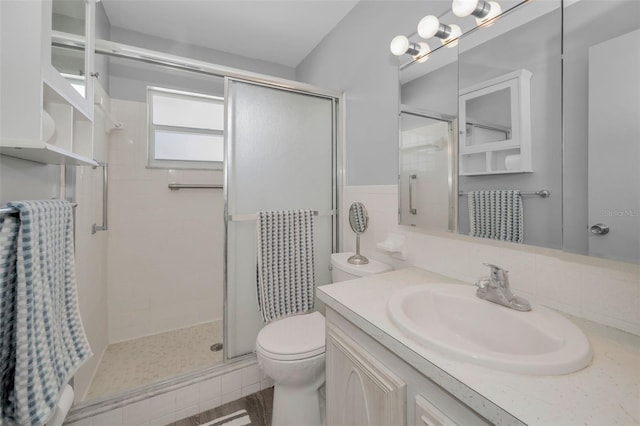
607 392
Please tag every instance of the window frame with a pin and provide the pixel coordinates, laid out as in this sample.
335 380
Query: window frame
152 162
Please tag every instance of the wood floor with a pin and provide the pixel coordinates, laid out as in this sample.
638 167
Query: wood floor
259 406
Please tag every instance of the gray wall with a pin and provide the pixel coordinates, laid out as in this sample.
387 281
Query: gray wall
128 80
355 58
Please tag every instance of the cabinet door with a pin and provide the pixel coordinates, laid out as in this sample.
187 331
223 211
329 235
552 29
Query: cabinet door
360 390
426 414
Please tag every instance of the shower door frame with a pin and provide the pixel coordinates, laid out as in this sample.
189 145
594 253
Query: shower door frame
119 50
337 173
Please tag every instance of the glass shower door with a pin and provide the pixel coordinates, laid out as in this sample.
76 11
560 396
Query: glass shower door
280 150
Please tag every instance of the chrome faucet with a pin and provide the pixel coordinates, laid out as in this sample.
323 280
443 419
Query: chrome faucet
495 288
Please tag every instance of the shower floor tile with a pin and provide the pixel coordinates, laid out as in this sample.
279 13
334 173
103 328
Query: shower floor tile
149 359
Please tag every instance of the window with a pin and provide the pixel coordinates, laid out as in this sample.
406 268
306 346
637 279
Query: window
186 130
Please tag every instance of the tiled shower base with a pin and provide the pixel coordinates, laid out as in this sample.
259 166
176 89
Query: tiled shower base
146 360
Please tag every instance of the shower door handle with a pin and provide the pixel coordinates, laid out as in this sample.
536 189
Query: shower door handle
105 199
412 180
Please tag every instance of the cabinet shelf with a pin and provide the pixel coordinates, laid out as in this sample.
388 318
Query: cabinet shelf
500 172
496 139
44 119
492 146
45 153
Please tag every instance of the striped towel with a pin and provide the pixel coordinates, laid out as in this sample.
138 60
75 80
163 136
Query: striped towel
285 263
498 215
42 341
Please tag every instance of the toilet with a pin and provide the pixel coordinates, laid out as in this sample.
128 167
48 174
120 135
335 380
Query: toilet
291 351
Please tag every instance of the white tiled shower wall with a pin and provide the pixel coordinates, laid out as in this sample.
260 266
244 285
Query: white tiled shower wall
604 291
165 247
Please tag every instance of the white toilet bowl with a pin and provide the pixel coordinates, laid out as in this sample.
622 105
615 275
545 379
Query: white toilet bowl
292 352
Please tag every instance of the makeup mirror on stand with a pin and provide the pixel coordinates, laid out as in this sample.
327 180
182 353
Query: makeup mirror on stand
358 219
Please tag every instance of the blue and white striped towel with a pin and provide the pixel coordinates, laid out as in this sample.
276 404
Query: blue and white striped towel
285 263
42 341
498 215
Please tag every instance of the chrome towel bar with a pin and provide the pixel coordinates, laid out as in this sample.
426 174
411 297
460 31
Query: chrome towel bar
544 193
247 217
177 186
10 210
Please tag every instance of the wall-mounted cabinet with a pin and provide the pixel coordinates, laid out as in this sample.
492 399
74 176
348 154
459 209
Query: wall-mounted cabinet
47 99
495 129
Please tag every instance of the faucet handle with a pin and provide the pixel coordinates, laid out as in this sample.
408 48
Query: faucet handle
482 283
495 269
498 274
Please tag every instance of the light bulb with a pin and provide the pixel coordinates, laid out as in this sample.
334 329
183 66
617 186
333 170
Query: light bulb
423 53
462 8
452 40
428 26
493 12
399 45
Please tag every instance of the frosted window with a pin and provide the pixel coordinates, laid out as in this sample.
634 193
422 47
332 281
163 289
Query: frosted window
188 146
186 130
180 111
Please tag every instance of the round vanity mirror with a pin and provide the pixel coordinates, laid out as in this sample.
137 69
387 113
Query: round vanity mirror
358 219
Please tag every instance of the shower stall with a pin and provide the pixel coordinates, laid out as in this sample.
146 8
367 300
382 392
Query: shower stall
281 152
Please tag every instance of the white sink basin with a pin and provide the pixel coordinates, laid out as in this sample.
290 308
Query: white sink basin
449 318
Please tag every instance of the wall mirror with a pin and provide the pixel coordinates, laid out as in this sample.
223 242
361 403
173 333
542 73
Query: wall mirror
572 175
601 129
510 96
70 16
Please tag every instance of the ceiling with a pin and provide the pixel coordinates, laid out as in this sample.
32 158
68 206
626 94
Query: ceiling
283 32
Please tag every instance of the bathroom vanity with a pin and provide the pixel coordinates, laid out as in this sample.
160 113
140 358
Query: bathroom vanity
377 375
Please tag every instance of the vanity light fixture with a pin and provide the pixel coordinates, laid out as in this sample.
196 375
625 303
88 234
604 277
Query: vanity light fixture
430 26
401 45
484 11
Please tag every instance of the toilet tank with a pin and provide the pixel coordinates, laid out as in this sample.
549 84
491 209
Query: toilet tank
341 270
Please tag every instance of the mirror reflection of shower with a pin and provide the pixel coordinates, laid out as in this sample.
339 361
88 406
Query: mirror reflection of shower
359 220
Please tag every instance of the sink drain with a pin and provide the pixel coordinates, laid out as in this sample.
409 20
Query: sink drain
216 347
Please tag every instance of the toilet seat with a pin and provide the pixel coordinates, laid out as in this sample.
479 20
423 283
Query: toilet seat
293 338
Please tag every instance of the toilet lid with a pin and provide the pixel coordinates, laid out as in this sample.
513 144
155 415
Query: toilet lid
296 337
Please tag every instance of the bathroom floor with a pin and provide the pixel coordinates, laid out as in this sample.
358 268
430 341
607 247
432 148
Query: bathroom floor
149 359
258 407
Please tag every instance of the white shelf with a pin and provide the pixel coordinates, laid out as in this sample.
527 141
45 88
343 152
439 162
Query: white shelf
34 93
501 172
45 153
485 147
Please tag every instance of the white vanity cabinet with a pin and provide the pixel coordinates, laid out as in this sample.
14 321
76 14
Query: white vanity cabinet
43 117
360 390
369 385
